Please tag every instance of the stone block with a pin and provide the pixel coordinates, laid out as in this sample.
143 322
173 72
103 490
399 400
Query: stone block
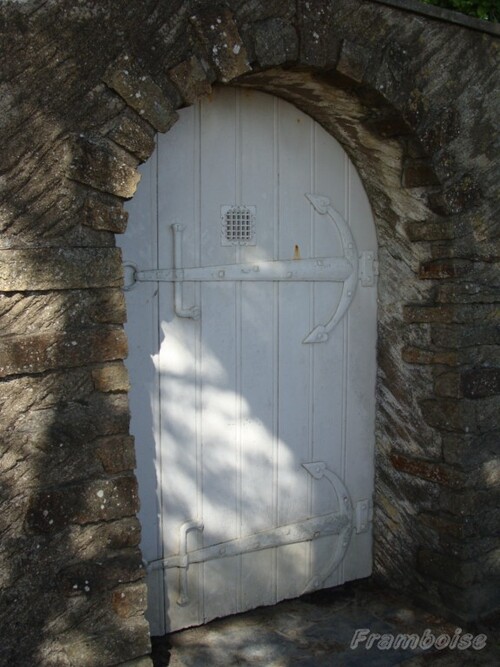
430 470
90 577
111 308
105 640
140 92
441 313
416 355
353 61
146 661
218 33
129 600
103 215
448 414
96 541
449 570
418 174
441 269
456 198
116 453
90 502
40 269
469 502
319 46
62 431
434 231
466 292
466 335
276 42
133 134
387 124
112 377
449 385
481 382
103 166
25 314
469 603
37 353
471 451
457 528
191 79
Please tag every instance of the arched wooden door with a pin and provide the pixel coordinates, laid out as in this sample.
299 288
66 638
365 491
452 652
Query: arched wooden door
250 262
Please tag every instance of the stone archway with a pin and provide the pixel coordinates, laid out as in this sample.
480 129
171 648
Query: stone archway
85 91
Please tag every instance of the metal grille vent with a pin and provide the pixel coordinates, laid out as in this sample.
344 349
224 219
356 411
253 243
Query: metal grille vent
238 225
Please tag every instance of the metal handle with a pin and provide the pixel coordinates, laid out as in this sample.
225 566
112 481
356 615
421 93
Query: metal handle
192 313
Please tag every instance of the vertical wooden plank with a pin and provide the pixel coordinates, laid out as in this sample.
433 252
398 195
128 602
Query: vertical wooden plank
219 389
258 349
294 357
177 203
327 356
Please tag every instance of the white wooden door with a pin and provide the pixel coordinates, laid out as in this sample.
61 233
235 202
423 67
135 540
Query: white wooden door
253 368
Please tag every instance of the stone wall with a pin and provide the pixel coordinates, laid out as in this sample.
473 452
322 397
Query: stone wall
84 87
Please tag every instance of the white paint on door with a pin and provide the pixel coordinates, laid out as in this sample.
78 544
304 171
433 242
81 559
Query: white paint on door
227 408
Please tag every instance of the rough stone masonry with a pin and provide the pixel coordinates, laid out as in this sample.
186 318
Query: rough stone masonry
84 88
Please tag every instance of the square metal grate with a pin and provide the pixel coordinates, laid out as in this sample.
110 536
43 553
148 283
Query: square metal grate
238 225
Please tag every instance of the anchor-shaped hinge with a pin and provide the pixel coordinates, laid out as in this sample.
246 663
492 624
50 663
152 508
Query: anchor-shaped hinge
323 206
345 269
338 523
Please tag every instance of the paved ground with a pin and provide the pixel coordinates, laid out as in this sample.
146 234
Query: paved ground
316 631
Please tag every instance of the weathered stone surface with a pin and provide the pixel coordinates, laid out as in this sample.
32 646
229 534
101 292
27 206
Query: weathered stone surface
98 642
135 135
140 92
468 334
467 292
102 166
319 46
430 470
448 384
36 353
449 415
129 600
140 662
59 268
449 313
456 198
418 174
218 33
25 314
109 216
191 79
435 231
116 453
353 61
415 355
95 541
471 451
446 569
91 577
275 42
449 525
112 377
98 500
481 382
